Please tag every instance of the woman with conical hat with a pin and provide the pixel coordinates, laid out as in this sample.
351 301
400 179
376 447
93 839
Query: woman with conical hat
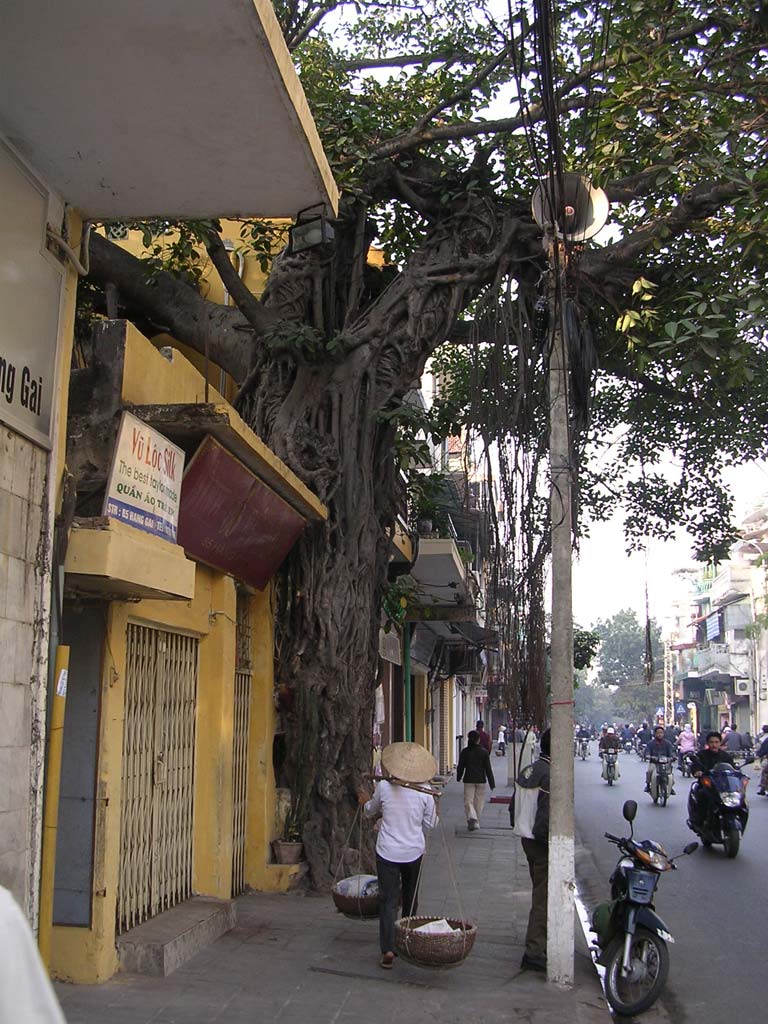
405 813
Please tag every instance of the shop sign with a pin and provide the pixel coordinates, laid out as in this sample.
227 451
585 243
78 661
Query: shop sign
144 486
30 293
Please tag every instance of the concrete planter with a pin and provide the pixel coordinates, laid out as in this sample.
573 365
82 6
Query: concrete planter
287 852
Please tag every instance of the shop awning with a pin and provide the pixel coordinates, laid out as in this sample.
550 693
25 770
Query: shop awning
231 520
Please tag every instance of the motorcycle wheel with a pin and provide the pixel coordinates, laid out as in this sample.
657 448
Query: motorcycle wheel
610 780
663 796
732 840
649 967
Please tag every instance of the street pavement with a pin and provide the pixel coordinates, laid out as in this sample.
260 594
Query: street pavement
715 908
293 959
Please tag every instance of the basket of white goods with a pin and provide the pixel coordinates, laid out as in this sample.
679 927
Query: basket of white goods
357 896
434 941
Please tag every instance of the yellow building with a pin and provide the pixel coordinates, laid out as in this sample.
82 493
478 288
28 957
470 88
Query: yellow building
168 778
140 121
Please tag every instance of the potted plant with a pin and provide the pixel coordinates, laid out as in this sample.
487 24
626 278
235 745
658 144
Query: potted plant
427 503
289 849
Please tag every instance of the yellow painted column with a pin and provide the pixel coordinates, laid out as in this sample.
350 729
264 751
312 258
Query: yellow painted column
212 863
260 873
51 812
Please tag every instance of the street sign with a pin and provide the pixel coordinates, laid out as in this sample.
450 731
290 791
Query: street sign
659 712
680 708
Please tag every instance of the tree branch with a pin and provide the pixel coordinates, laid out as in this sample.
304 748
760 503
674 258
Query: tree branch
172 303
470 129
696 206
249 305
312 21
465 92
406 59
535 113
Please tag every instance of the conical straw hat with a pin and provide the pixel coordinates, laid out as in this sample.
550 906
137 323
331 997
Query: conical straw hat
409 762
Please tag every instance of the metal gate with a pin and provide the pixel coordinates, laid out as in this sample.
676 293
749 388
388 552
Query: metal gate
158 773
242 710
446 747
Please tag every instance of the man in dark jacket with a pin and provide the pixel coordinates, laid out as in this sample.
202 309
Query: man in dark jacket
475 768
659 746
484 737
704 761
535 840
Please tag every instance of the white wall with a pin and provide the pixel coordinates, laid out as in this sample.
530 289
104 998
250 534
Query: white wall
30 299
23 469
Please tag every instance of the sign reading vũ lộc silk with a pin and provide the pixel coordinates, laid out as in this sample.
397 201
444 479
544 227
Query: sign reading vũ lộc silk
144 486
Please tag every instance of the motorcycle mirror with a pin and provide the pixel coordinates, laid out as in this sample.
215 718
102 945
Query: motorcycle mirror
629 810
690 848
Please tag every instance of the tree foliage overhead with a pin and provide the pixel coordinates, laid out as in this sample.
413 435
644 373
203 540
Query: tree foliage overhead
622 666
438 120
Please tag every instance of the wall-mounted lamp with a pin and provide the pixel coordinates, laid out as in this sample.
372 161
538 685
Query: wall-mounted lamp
311 229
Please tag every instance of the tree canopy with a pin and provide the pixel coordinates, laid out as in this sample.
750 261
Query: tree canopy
440 118
629 664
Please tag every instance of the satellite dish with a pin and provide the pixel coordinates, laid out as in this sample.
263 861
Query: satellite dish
584 208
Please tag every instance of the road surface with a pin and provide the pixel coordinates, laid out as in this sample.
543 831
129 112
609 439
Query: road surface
717 909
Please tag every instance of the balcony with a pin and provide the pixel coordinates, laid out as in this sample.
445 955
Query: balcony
440 573
722 659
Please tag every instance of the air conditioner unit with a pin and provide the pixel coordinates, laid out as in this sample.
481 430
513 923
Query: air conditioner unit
742 687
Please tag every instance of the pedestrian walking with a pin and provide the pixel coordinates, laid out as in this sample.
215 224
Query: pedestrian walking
475 769
501 740
405 813
532 826
485 738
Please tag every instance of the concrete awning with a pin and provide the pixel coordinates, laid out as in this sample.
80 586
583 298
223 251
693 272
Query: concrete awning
112 560
440 573
181 109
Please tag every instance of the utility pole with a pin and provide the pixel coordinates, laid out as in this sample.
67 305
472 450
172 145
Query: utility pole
560 907
669 686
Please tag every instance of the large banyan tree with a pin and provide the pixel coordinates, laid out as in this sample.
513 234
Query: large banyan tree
438 121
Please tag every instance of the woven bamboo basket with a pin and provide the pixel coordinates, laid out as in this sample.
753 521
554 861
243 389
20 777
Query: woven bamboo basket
355 906
424 950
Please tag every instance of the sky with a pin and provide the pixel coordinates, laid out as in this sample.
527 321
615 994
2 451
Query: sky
606 579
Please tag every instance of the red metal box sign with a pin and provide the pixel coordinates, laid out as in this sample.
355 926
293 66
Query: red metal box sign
233 521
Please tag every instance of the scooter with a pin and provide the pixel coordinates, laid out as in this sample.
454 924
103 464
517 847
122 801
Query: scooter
631 938
717 807
661 781
610 759
583 748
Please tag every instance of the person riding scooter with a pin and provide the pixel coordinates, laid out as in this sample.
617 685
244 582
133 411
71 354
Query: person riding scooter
686 744
609 744
704 761
658 747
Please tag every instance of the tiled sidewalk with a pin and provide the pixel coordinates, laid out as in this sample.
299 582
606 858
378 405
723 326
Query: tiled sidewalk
291 959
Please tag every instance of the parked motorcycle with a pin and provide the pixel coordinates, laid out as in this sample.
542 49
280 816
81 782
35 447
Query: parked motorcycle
631 938
661 780
610 759
717 807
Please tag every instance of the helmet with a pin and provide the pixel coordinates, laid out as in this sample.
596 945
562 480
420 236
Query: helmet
611 731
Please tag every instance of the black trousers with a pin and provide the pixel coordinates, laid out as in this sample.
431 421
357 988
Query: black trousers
392 876
537 855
